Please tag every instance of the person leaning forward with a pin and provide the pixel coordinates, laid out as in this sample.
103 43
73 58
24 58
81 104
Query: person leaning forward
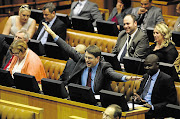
102 72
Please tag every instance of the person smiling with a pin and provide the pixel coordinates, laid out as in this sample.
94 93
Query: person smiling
164 47
90 70
131 41
23 20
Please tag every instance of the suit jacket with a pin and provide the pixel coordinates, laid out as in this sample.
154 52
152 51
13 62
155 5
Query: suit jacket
154 16
66 73
3 50
166 54
176 27
90 10
163 92
120 16
58 27
104 73
138 46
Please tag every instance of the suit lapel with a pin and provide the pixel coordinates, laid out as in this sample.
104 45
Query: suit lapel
84 8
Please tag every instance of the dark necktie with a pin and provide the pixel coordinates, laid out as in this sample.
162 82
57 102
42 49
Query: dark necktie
140 21
125 49
146 88
42 33
89 78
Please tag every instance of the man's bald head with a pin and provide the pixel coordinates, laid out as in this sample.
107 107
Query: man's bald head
80 48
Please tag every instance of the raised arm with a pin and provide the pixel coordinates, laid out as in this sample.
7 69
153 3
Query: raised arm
61 43
32 28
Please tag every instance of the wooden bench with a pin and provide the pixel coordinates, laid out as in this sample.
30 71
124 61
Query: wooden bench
12 110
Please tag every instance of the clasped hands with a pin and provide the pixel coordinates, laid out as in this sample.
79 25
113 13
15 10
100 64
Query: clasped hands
142 10
139 100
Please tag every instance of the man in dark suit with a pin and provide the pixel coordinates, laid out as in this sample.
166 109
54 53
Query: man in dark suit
49 14
85 8
132 41
90 70
156 90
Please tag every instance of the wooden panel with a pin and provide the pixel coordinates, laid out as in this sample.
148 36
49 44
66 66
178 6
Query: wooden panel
57 108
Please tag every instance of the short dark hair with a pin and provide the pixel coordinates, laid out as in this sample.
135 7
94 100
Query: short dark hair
49 6
117 110
152 57
132 16
127 3
94 50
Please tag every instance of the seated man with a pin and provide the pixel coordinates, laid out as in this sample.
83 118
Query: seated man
177 24
71 64
132 41
85 8
147 15
156 90
112 112
90 70
49 14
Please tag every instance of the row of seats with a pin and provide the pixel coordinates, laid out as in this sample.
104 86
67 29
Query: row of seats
12 110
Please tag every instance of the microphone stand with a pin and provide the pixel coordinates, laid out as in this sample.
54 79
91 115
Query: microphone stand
134 86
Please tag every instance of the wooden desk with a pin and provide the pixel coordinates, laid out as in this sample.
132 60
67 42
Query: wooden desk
57 108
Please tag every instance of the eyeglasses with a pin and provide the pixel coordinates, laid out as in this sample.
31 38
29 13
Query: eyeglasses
106 116
16 54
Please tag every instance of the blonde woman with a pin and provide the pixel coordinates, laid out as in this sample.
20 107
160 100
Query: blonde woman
23 20
164 47
25 61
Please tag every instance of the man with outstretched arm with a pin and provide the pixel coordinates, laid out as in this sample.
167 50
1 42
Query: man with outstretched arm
90 69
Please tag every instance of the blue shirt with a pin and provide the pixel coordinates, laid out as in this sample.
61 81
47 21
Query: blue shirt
147 98
84 76
45 36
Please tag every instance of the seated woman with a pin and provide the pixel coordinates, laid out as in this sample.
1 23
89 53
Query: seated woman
164 47
123 7
25 61
177 24
16 23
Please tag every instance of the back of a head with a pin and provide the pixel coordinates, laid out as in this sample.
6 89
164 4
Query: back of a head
94 50
80 48
114 111
49 6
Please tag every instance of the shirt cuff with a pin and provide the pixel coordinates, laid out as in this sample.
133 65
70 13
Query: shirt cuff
124 79
152 107
56 38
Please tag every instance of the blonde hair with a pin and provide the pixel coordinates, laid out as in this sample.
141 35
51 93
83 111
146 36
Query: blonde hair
19 45
24 7
166 32
26 34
